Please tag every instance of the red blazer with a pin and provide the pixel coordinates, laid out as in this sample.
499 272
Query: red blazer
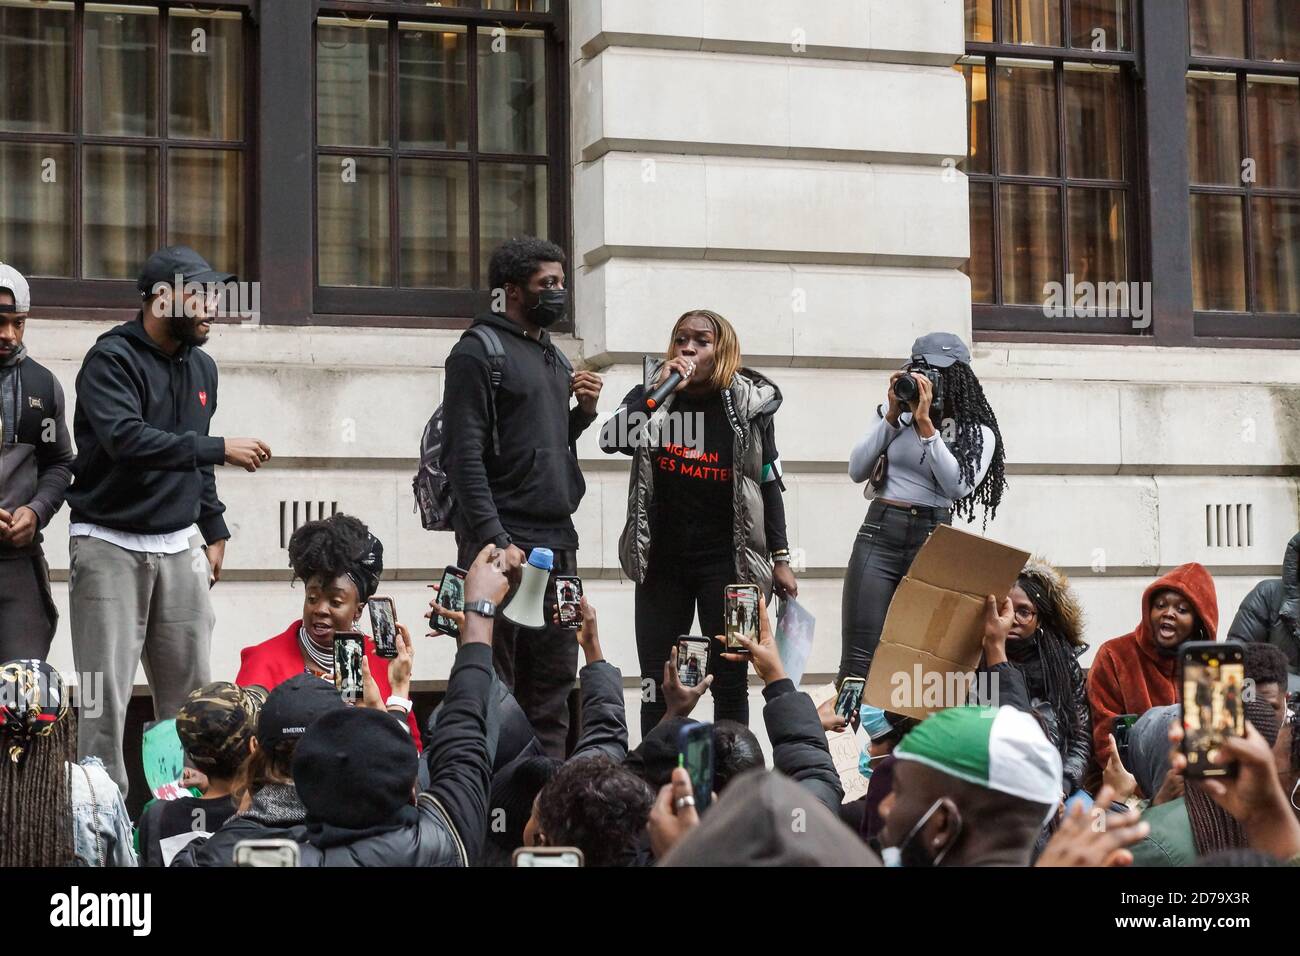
277 659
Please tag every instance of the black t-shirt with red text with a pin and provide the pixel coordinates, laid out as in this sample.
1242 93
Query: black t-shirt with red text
692 518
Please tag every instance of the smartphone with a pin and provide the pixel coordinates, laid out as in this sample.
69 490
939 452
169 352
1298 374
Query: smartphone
349 652
1119 728
695 753
850 698
267 853
568 599
1214 678
383 625
741 615
692 660
548 856
451 595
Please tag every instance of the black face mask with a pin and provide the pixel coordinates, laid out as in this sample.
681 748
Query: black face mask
549 308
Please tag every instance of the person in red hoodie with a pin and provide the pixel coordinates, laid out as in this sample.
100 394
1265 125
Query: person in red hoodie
339 563
1133 673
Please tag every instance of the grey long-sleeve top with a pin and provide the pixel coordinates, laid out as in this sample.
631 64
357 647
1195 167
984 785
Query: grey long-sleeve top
922 471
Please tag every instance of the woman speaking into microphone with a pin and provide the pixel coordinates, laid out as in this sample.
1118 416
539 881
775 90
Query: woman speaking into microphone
932 449
704 500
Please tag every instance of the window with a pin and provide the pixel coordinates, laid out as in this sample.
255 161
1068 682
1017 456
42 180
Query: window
1051 161
435 141
1243 131
147 144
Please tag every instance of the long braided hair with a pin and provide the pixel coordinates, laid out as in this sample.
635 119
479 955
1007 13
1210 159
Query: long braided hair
965 404
35 810
1060 623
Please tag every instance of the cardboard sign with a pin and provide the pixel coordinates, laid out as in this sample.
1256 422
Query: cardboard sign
933 634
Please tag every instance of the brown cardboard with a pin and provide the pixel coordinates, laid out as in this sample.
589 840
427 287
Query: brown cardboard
936 620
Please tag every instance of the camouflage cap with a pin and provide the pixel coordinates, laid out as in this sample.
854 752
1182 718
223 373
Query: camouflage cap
216 722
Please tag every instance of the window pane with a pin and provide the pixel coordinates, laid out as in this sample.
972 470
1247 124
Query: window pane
512 201
352 221
36 208
204 204
519 6
1098 250
351 83
120 77
1099 24
1094 122
1218 254
119 210
512 92
978 159
979 21
205 82
1213 129
1277 254
1273 106
36 69
1031 21
1031 241
1277 30
435 224
1027 144
434 78
980 265
1218 27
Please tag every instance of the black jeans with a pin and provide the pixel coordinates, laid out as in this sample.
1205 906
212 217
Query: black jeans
28 615
666 604
887 542
539 667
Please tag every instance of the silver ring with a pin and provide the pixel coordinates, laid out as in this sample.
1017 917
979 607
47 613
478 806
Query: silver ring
687 801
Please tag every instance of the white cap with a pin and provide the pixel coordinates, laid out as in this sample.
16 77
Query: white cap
12 279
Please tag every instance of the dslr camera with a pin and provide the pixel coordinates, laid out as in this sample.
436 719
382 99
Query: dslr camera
907 391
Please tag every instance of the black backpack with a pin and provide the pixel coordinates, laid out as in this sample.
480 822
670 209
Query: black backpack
432 489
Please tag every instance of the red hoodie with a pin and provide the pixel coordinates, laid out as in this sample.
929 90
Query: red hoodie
1129 675
277 659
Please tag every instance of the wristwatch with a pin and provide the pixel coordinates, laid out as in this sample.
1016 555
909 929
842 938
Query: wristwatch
485 608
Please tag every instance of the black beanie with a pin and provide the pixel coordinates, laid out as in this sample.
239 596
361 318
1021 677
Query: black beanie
354 768
653 761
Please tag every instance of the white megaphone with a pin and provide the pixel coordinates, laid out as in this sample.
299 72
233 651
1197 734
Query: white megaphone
526 607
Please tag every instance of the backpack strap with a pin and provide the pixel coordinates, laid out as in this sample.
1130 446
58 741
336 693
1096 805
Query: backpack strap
496 356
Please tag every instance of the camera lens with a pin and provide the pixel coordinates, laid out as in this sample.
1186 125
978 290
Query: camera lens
906 389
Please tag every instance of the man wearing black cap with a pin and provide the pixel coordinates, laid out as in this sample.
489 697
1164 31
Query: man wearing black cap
144 500
35 468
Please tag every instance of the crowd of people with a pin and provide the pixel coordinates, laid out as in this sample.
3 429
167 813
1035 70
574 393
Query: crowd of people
1062 766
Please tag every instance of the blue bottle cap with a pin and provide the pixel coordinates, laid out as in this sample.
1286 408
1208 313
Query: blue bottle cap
541 558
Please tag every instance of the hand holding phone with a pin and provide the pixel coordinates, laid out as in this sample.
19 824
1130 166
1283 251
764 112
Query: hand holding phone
383 625
1213 711
673 815
740 616
568 600
448 607
848 702
349 655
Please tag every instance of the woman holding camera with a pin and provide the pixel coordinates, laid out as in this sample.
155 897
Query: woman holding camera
932 451
704 501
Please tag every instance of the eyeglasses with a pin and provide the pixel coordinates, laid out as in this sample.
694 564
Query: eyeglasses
1025 614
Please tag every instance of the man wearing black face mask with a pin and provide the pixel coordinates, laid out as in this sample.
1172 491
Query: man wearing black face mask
509 453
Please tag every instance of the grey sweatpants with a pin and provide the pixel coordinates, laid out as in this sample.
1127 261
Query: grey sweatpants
125 607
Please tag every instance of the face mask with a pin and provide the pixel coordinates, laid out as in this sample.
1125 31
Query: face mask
864 764
873 721
909 853
549 309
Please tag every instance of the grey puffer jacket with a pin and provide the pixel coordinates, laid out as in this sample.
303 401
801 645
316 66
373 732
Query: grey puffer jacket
750 401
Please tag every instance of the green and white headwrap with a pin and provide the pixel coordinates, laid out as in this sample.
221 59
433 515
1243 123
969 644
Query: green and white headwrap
1000 749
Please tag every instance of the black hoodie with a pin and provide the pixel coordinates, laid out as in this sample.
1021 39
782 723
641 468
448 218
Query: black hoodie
144 457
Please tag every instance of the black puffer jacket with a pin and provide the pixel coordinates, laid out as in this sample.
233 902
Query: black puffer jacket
1070 733
799 747
1269 613
276 814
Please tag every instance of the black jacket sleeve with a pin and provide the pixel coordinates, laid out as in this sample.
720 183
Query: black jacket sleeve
109 400
799 744
1256 614
604 716
460 768
1078 751
772 488
211 523
615 435
1002 685
579 421
467 440
53 465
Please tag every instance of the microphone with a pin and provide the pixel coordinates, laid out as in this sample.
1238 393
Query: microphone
664 390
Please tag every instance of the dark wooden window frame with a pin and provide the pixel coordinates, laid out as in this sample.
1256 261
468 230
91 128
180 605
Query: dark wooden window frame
70 297
1162 186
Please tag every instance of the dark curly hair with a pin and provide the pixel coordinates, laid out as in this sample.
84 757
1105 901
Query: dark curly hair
735 750
1264 664
517 260
328 548
596 805
965 404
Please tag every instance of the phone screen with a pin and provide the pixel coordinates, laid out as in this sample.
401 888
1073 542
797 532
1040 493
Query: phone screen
266 853
349 650
741 614
695 753
568 600
692 660
1213 683
850 697
1120 728
548 856
451 595
383 625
